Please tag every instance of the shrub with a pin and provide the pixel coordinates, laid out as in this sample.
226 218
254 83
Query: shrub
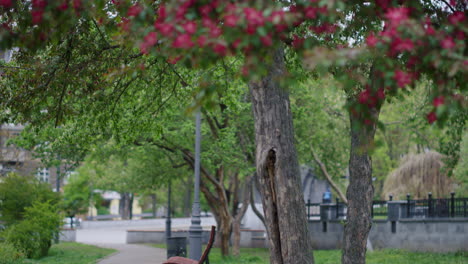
18 192
9 254
34 234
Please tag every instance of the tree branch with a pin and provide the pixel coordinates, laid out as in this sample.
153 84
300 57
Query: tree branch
323 168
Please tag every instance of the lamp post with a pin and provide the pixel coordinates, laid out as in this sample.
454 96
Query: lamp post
195 230
168 218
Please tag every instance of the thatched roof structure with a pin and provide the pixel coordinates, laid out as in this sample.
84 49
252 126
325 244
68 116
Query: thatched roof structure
418 175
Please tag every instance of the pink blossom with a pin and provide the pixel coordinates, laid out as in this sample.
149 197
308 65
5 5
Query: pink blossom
77 4
431 117
205 10
381 93
201 41
183 41
190 27
215 32
63 6
208 23
456 17
310 12
180 13
37 16
371 40
231 20
399 45
134 10
266 40
6 3
402 78
364 96
460 35
151 39
220 49
254 17
397 15
276 16
164 28
236 43
40 4
297 41
438 101
447 43
161 13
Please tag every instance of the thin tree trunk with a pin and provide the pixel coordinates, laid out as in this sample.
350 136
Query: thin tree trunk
252 202
360 190
236 225
124 206
153 205
278 168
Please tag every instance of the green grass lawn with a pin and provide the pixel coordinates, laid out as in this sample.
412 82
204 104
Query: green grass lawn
73 253
387 256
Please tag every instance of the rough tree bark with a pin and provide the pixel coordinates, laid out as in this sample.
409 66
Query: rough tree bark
360 190
278 168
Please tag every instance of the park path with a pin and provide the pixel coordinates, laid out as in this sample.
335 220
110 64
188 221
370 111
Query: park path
133 254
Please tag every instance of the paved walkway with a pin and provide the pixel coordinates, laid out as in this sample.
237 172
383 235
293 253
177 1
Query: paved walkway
133 254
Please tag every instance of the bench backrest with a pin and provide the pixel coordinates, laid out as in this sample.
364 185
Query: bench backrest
208 246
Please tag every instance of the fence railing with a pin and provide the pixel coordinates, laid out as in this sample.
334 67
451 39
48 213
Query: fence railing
422 208
440 207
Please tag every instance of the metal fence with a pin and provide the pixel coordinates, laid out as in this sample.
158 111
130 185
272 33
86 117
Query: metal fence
422 208
437 208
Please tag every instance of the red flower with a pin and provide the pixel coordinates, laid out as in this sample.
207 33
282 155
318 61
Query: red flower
164 28
371 40
447 43
381 93
231 20
151 39
40 4
205 10
397 15
456 17
310 12
201 41
297 41
215 32
402 78
180 13
220 49
438 101
63 6
161 13
183 41
276 17
266 40
364 97
254 17
399 45
190 27
76 4
134 10
431 117
37 16
6 3
236 43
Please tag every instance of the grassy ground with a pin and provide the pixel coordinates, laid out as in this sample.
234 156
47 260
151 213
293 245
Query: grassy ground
73 253
388 256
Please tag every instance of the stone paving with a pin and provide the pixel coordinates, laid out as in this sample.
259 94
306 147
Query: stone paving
133 254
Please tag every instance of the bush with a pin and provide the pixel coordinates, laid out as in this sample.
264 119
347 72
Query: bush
34 234
18 192
9 254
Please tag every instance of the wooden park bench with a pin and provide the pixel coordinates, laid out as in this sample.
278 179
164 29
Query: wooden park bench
204 257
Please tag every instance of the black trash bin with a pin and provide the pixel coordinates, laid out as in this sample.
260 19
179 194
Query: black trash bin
176 246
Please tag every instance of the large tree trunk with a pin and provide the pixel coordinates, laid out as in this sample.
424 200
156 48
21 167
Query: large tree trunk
278 168
360 190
